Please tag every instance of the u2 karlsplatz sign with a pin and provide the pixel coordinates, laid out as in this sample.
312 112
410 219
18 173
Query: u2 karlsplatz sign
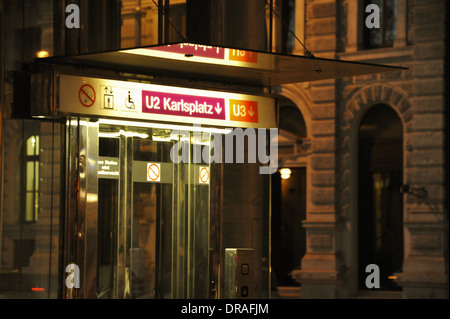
124 99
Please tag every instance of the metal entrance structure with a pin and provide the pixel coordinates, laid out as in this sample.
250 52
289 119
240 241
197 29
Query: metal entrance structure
135 222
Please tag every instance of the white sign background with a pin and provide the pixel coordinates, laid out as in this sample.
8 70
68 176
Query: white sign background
126 94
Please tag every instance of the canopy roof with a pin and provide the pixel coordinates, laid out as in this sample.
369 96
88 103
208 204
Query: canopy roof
227 65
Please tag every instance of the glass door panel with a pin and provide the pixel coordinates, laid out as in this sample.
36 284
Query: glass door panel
153 238
108 212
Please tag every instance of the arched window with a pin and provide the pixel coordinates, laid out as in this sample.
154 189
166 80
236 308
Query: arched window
380 205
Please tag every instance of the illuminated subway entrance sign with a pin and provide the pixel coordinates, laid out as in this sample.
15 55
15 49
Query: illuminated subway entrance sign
183 105
202 51
142 101
205 54
189 49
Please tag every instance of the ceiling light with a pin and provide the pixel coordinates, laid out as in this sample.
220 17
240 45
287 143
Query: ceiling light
285 173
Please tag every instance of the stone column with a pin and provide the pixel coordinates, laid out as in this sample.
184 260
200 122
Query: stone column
320 274
425 268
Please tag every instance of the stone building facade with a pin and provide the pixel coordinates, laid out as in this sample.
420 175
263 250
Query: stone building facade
333 112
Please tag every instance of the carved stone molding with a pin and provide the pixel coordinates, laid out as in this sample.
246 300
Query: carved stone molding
353 111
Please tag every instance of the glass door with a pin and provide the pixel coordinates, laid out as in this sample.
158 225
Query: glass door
143 214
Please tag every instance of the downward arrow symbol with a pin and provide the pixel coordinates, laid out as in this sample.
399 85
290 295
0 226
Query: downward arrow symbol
218 109
251 112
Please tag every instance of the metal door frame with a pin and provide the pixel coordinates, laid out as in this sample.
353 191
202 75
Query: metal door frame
81 204
81 216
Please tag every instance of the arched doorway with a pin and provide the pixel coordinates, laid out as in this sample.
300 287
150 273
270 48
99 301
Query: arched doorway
380 204
288 201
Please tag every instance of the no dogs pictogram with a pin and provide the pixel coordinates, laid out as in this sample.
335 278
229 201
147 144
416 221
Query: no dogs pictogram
87 95
204 175
153 172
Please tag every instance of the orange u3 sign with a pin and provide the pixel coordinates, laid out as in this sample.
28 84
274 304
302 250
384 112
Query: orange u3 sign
244 111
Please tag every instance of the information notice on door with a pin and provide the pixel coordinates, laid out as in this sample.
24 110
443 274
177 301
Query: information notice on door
108 167
131 100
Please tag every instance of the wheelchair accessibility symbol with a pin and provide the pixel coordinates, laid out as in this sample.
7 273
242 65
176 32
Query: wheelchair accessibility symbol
129 100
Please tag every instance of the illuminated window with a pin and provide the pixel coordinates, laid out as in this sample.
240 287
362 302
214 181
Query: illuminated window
32 179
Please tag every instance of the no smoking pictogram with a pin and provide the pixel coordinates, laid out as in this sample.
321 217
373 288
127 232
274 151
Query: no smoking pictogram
153 172
87 95
204 175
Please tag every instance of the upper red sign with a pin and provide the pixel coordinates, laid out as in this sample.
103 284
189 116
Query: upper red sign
204 51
